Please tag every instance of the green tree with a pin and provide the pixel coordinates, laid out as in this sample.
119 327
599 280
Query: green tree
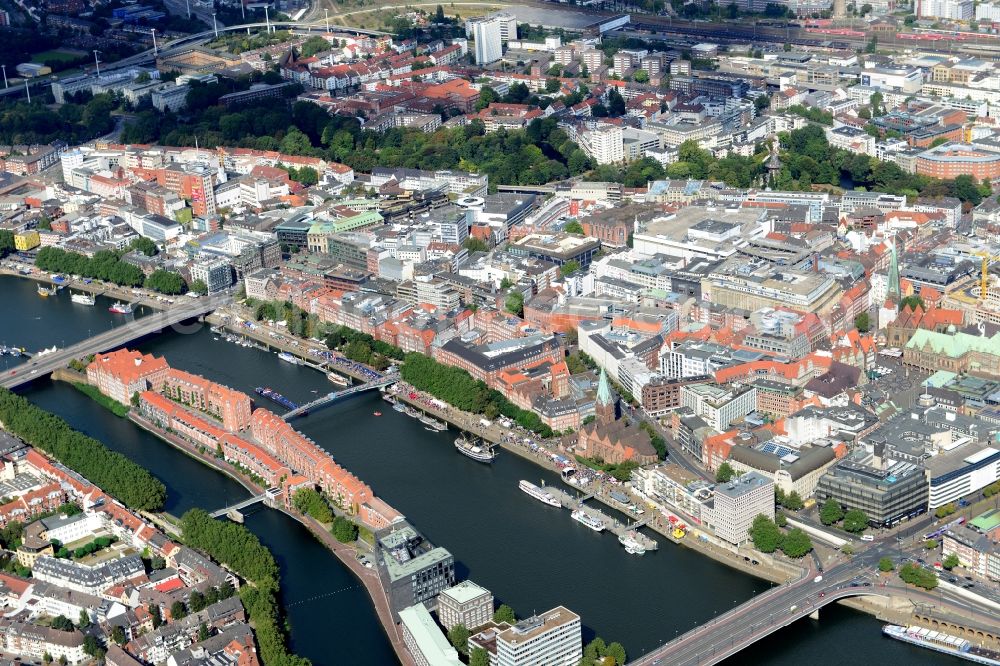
145 245
62 623
946 510
780 519
178 611
515 303
568 268
155 615
573 227
92 647
913 302
314 45
855 521
473 244
862 322
203 632
886 564
458 635
504 614
113 472
84 620
793 501
479 657
199 287
765 534
196 601
950 561
166 282
344 530
831 512
931 544
796 543
118 635
724 473
615 650
311 502
640 76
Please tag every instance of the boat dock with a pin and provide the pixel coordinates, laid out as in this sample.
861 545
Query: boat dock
572 502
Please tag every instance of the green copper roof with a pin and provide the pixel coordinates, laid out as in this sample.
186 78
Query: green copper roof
954 345
604 390
894 289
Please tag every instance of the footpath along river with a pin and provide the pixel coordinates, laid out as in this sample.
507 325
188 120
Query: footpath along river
531 556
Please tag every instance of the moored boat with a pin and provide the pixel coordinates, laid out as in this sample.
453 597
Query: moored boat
83 299
632 544
288 358
475 451
943 643
121 308
539 493
587 520
45 292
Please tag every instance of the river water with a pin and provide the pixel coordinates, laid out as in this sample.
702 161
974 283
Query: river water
531 556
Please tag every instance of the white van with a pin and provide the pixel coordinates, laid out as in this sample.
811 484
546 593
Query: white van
867 537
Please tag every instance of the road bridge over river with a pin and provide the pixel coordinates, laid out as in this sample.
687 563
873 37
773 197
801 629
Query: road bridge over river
112 339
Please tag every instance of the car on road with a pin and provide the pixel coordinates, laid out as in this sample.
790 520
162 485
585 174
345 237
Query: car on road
817 579
822 594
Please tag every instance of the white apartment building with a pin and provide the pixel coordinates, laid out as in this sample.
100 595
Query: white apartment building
487 33
467 604
217 274
735 505
605 145
424 640
719 405
959 10
552 638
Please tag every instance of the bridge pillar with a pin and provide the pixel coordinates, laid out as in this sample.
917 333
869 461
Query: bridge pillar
814 615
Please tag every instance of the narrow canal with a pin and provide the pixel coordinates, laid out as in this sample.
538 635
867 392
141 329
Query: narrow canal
531 556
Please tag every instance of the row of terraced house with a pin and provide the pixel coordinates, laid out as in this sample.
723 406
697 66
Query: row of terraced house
222 420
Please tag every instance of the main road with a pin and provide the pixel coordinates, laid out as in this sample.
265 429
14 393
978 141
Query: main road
766 613
120 335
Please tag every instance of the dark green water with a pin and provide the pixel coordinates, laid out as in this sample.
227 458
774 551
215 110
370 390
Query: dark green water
529 555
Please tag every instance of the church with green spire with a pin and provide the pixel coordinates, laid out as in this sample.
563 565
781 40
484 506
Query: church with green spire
609 438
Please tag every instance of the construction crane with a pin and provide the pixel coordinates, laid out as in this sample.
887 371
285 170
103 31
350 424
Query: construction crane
984 278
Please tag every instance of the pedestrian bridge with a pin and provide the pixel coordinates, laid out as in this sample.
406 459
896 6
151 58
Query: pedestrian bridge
761 616
267 496
337 395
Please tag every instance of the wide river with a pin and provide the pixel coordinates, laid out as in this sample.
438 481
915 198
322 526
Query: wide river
529 555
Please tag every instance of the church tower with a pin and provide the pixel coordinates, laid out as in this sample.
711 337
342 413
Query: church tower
605 409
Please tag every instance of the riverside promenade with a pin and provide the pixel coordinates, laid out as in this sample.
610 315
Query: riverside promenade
346 553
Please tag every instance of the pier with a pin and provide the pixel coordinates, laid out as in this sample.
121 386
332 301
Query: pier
572 502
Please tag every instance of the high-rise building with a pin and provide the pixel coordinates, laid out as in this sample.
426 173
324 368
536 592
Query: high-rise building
487 34
413 570
552 638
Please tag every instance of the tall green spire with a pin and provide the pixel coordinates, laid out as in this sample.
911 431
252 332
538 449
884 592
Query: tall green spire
604 396
894 291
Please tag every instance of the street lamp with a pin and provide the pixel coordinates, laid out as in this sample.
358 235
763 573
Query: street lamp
5 84
155 52
327 13
27 89
215 26
188 2
267 20
98 63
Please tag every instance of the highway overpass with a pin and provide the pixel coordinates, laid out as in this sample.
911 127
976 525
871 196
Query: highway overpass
112 339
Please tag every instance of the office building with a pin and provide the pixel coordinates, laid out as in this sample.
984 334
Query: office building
887 496
732 510
467 604
550 639
412 569
425 641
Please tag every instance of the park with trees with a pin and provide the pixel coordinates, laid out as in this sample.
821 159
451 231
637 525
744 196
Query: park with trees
239 549
767 537
111 471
